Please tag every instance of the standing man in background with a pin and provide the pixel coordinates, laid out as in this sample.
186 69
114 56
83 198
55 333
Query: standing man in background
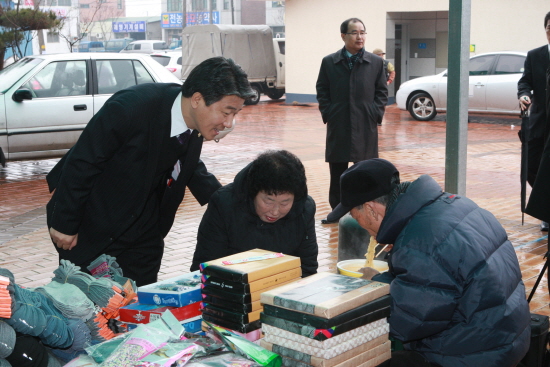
532 91
352 93
390 69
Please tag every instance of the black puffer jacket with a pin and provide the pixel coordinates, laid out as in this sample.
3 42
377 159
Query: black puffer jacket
458 297
230 225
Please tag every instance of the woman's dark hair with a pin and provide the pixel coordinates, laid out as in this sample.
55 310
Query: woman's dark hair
216 78
276 172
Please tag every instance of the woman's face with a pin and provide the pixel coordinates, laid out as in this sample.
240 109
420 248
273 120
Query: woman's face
271 208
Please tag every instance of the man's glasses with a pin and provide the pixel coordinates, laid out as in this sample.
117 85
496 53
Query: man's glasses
355 34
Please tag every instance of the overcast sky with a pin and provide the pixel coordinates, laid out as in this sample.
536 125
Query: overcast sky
143 8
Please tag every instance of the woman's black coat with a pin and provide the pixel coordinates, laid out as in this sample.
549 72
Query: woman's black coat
230 225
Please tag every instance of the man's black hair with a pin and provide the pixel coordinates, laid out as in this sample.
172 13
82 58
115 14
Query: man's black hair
277 172
546 19
216 78
345 24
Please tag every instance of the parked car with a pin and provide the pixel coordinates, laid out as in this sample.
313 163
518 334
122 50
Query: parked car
171 60
91 46
145 46
47 100
116 45
492 87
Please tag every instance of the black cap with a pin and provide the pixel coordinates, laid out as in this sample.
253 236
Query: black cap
362 182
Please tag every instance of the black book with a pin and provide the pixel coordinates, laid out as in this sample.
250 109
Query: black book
233 297
241 318
324 334
241 328
238 307
322 323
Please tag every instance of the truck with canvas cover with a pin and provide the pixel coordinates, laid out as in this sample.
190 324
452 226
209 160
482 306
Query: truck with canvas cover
251 46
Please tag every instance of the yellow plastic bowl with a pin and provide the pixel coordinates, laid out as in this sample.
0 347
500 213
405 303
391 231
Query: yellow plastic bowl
350 267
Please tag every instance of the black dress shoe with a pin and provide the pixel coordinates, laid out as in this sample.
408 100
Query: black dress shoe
326 221
544 226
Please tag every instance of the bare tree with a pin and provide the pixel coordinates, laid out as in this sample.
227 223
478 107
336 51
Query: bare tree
84 26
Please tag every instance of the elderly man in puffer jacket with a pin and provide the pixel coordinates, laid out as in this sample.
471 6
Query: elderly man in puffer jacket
457 294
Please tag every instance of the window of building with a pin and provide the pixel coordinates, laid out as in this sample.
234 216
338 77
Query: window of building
277 4
64 2
85 6
52 37
174 5
119 4
226 5
214 5
200 5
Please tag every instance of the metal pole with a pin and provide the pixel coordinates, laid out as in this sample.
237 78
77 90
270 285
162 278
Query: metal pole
457 96
184 15
232 12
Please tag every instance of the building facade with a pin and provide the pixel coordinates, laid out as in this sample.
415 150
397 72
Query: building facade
414 35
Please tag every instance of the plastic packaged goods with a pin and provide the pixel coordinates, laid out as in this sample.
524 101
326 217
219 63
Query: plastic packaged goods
144 340
247 349
222 360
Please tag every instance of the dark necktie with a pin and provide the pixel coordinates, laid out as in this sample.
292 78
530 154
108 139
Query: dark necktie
183 139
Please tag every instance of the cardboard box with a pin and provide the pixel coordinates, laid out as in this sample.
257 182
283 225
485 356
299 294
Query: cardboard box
241 328
143 314
255 286
324 344
190 291
230 315
371 358
339 360
238 307
324 333
192 325
247 272
322 323
238 298
325 294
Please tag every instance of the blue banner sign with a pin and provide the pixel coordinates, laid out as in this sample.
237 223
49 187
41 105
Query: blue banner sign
175 20
125 27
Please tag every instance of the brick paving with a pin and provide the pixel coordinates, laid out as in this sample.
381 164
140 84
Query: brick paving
414 147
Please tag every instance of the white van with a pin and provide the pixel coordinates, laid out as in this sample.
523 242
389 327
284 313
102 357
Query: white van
145 46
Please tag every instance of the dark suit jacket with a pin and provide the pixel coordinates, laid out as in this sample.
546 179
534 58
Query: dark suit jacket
102 184
351 103
532 84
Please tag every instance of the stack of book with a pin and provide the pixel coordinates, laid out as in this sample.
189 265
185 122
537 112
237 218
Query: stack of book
232 285
328 320
181 295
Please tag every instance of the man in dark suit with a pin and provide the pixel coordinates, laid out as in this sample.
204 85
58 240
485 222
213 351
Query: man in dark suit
352 94
118 189
532 91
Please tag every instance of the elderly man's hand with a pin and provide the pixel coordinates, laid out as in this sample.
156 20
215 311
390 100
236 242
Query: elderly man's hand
368 273
63 241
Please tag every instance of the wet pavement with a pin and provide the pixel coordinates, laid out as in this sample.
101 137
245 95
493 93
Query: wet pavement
414 147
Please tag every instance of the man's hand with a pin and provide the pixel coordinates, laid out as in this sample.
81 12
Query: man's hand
63 241
524 102
368 273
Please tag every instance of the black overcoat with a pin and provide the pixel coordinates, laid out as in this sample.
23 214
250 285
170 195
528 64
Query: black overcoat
532 84
539 200
102 183
351 103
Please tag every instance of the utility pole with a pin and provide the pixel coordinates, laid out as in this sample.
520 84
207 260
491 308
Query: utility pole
184 15
211 5
232 12
457 96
